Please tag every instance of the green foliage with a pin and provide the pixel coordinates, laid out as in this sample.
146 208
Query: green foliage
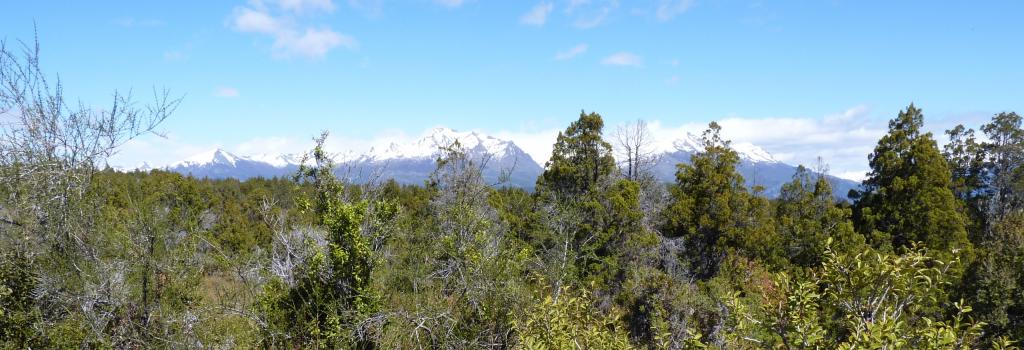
995 283
590 260
580 159
807 217
19 314
869 300
967 164
907 196
1005 151
331 292
584 213
712 210
570 322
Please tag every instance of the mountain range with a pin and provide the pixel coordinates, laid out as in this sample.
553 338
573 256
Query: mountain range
505 163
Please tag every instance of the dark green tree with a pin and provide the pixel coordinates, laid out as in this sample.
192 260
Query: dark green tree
967 164
1005 164
709 205
807 217
995 282
576 196
907 196
581 158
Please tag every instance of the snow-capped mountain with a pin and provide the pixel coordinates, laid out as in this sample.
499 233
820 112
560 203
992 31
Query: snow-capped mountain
408 163
691 143
505 163
412 163
219 163
758 166
430 145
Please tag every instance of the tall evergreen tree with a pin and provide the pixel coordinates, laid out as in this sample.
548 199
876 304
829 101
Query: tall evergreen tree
808 217
966 158
907 196
581 158
572 195
709 201
1005 164
995 282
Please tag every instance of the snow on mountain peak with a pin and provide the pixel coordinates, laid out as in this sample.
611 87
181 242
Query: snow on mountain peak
276 160
754 153
691 143
222 157
429 145
215 156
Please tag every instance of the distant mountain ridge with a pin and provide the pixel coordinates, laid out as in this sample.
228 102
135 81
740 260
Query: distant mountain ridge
758 167
505 162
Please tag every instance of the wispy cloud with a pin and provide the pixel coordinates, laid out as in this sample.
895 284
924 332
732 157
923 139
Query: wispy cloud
571 52
669 9
538 15
225 91
174 55
130 22
451 3
589 14
306 6
842 140
289 38
592 20
623 59
370 8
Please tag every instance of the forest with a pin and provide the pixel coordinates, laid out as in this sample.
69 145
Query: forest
927 254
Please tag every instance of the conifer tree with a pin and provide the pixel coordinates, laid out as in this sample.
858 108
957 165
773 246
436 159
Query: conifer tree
572 191
1005 164
907 196
708 202
807 218
967 163
580 158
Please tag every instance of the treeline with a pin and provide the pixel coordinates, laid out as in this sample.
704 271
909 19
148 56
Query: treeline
928 255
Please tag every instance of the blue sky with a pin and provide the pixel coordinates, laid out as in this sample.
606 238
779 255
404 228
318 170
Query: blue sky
800 78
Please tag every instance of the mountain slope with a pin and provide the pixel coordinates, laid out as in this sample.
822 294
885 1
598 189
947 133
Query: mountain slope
218 164
505 163
757 166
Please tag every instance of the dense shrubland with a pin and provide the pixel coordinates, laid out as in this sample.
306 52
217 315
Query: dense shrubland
928 255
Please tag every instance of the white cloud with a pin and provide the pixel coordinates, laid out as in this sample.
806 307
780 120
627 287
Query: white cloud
571 52
842 140
669 9
537 143
139 23
593 20
254 21
623 59
538 15
371 8
288 39
451 3
225 91
156 151
314 43
306 6
589 14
